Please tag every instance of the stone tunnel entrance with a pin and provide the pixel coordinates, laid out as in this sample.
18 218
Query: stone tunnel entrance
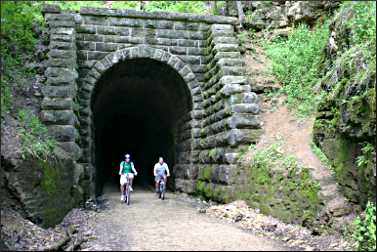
137 107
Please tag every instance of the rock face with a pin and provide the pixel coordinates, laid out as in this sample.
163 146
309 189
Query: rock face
42 190
346 121
202 49
279 14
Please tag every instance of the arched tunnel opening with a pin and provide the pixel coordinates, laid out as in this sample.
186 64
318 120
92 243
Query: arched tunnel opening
136 107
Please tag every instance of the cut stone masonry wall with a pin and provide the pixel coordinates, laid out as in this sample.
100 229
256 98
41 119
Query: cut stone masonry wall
202 49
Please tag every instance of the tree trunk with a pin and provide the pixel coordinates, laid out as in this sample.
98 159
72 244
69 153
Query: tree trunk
213 7
241 15
141 5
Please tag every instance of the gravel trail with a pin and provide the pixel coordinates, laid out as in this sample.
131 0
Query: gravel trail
174 224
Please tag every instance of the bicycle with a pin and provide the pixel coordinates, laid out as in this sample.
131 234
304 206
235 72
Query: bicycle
127 191
162 188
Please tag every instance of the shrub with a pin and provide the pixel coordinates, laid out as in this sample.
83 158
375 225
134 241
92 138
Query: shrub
177 6
34 136
365 229
295 62
363 22
17 43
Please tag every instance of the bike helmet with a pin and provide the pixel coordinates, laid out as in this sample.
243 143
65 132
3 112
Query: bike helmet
127 156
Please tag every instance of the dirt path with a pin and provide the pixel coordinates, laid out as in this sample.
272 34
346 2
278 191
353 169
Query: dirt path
281 125
174 224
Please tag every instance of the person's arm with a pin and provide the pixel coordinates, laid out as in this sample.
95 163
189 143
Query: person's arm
120 168
167 170
154 170
133 169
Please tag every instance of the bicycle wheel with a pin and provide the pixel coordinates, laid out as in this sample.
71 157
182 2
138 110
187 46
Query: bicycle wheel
162 190
128 195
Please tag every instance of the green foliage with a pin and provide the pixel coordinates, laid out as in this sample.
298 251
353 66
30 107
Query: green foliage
171 6
318 152
295 62
50 177
220 5
34 135
363 160
17 43
76 5
365 229
280 186
177 6
363 21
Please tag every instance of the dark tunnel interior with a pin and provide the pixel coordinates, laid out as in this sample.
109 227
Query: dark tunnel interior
136 105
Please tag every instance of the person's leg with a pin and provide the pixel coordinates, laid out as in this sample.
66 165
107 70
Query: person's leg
130 181
156 180
122 192
165 180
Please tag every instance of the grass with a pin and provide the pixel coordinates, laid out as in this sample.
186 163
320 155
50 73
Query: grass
34 136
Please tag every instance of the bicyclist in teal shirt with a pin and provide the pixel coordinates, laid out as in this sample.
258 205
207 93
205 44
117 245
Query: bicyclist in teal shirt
126 168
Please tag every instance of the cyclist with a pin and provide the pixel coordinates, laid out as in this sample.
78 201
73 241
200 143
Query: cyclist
159 172
126 168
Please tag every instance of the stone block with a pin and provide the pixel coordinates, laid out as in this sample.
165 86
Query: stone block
231 158
95 20
243 121
58 91
89 29
220 55
186 42
61 54
62 31
61 38
51 8
226 48
90 37
190 59
58 117
64 73
60 23
106 47
72 149
63 133
229 89
118 21
246 108
236 71
61 62
178 50
57 103
231 62
61 45
158 24
95 55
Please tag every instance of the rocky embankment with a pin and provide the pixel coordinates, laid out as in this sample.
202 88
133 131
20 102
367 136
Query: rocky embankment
250 219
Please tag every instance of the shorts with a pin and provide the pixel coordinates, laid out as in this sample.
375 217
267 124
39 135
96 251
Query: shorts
158 177
123 178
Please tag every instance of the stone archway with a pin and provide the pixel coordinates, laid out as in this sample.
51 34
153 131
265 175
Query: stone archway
111 75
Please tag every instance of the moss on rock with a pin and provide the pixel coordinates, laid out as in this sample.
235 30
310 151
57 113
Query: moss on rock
346 118
279 186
